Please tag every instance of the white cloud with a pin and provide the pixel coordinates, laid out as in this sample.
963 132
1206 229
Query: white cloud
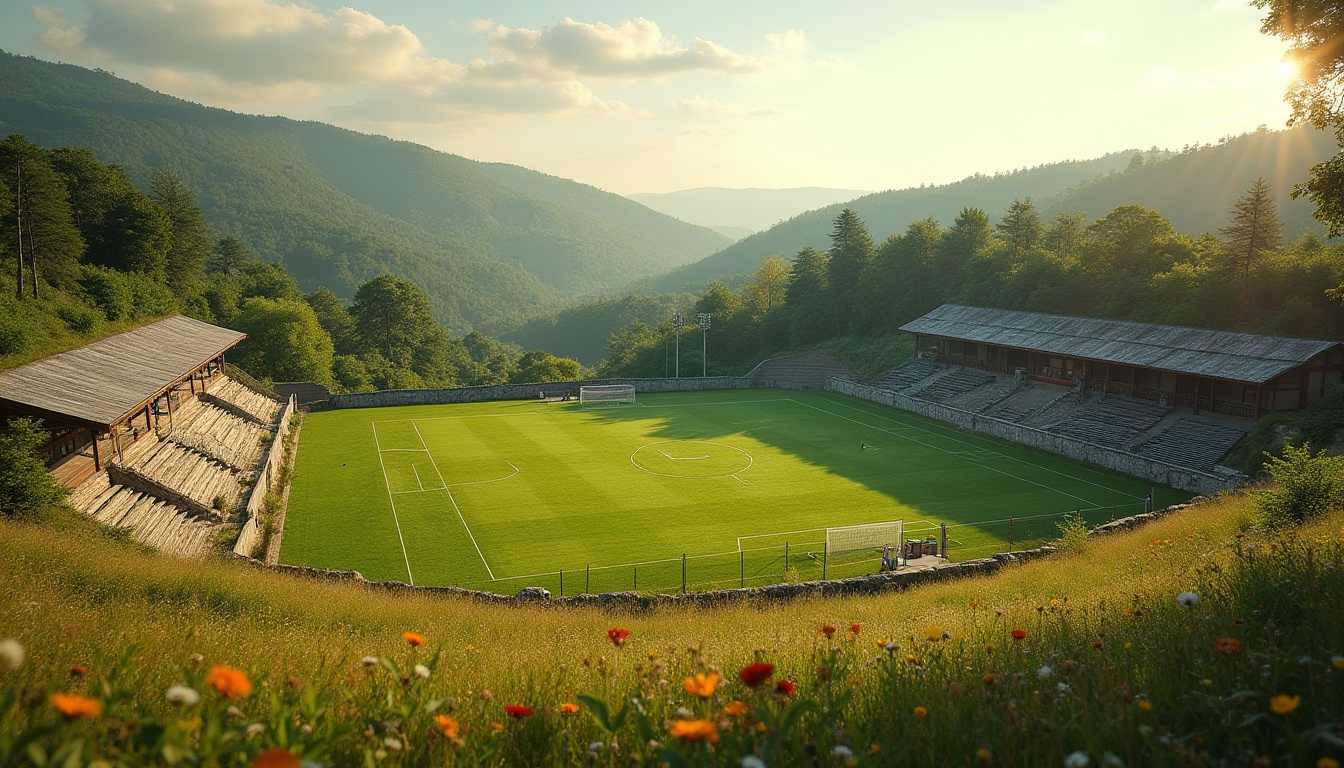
703 106
788 41
630 50
1093 37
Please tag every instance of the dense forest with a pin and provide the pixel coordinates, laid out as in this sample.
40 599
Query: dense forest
491 244
89 253
1129 264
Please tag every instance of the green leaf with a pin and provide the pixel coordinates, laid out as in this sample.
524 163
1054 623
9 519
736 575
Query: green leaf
672 758
598 709
643 728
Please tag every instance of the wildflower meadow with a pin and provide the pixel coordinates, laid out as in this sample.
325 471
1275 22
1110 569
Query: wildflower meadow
1195 640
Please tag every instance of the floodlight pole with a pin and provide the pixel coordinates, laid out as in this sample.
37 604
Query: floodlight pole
678 322
704 318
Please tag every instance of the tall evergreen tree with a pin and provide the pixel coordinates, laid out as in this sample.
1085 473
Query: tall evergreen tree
1020 228
807 298
850 252
1255 229
970 234
38 223
1066 235
189 236
392 317
120 224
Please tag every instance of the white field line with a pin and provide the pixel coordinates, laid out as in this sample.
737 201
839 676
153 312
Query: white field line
949 434
399 450
495 480
410 579
954 453
417 477
453 500
444 418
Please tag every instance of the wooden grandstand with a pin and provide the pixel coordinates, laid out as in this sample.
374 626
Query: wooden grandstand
149 430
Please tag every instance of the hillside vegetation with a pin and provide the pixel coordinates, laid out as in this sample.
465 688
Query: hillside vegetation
490 244
1087 655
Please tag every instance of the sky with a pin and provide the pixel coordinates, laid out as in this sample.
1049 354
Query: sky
662 96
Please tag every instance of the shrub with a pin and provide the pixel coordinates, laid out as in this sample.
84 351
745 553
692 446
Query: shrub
25 486
1073 533
79 318
1305 485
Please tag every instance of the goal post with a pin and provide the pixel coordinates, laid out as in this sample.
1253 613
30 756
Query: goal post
607 394
869 536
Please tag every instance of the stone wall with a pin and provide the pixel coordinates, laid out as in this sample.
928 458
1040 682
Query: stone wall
525 391
775 593
275 454
1185 478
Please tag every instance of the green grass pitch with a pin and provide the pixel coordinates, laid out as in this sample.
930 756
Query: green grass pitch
503 495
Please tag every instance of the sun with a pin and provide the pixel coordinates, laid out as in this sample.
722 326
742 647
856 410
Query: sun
1285 72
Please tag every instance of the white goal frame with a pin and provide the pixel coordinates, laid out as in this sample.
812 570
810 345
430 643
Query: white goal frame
848 538
607 394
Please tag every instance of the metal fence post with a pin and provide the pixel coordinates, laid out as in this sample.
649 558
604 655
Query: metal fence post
683 573
587 578
742 566
825 550
636 586
1010 534
786 555
562 582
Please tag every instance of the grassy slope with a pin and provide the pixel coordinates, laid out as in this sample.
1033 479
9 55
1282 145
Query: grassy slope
576 500
74 598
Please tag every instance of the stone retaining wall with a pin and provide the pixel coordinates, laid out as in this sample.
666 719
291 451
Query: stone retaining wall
1185 478
775 593
275 453
524 391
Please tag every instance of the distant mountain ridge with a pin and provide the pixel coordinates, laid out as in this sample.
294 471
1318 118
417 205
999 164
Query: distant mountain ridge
750 209
1194 189
490 243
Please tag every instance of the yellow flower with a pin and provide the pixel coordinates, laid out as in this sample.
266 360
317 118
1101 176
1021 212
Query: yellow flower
1338 662
1327 762
1145 705
991 647
933 633
735 709
695 730
568 708
447 725
1283 704
921 713
911 659
701 684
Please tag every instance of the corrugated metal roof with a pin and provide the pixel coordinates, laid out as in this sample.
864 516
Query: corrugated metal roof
103 381
1240 357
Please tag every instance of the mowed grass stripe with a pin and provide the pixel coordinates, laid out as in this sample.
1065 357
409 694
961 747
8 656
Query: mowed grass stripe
576 498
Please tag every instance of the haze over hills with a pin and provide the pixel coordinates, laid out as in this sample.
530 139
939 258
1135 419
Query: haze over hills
490 243
1195 189
752 210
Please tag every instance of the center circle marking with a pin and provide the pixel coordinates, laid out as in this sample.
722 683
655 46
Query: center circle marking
680 458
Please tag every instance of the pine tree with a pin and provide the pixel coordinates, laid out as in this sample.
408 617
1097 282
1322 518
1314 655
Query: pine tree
39 221
1255 229
850 252
1020 228
189 238
806 298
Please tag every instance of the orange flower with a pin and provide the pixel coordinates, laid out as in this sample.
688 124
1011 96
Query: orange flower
231 683
617 636
827 630
975 604
753 675
78 671
569 708
695 730
1283 704
414 638
989 678
277 758
1145 705
72 706
735 709
1019 634
921 713
447 725
701 684
1227 645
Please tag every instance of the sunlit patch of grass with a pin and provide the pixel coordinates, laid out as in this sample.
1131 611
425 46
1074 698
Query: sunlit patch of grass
1108 661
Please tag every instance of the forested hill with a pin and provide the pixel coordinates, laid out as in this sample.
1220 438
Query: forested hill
489 243
1194 188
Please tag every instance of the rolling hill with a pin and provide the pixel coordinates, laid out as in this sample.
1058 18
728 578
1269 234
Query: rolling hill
490 243
749 209
1195 189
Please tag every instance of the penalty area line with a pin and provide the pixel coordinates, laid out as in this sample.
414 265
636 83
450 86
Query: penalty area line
410 579
456 509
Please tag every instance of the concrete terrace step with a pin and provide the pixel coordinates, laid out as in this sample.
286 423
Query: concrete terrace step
1192 441
806 370
907 374
154 522
1114 422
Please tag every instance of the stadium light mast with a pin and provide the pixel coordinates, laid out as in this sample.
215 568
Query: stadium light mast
678 322
703 318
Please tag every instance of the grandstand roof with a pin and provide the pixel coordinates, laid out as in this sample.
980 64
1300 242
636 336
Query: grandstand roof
1240 357
102 382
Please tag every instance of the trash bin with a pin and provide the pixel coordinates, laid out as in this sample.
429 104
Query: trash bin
913 548
931 547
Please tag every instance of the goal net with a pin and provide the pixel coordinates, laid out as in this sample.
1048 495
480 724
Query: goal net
870 536
607 394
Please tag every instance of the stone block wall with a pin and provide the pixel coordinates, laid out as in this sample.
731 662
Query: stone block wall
525 391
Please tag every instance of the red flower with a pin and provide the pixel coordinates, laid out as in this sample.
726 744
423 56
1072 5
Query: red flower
617 636
1227 645
784 688
514 710
827 630
853 629
1019 634
753 675
78 671
1097 644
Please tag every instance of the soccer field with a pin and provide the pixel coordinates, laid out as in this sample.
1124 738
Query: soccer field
743 483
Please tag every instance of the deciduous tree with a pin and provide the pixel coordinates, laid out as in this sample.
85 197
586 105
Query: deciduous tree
284 341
